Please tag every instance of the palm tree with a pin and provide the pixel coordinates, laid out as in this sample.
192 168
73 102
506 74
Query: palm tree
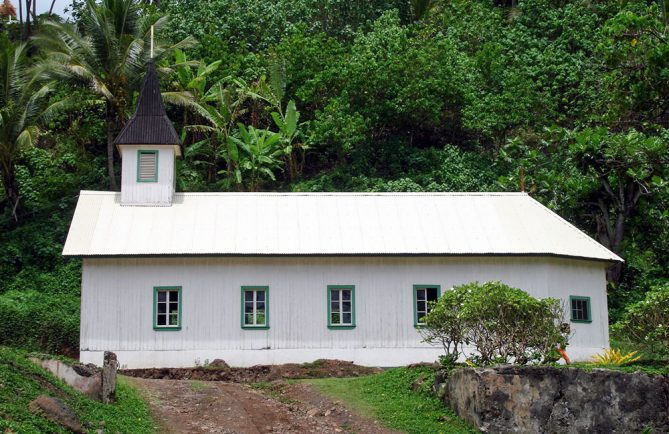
108 56
193 77
23 105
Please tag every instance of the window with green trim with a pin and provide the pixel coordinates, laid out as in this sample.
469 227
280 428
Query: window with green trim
341 306
580 309
147 166
167 308
255 307
424 296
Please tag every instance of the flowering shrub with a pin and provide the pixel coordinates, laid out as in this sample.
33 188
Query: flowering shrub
504 324
646 323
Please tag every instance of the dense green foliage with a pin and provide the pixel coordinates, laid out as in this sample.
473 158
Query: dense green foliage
40 321
22 381
504 324
401 398
568 99
646 322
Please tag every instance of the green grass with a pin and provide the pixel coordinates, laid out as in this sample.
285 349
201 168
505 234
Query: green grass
389 397
196 385
21 381
647 367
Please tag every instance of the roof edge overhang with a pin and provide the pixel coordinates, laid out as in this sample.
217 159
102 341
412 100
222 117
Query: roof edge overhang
120 146
313 193
346 255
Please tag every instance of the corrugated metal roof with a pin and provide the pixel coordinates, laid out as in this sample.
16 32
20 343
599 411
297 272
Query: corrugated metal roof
149 124
327 224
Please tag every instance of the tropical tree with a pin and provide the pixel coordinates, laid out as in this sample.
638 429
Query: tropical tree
220 108
108 55
192 76
271 91
23 105
261 154
287 123
635 49
598 174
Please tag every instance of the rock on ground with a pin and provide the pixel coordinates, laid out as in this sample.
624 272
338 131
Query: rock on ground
56 411
83 378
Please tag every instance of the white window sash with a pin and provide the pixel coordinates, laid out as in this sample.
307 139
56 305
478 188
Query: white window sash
340 306
254 308
167 313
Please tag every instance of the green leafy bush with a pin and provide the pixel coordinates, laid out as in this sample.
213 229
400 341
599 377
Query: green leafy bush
257 24
503 324
63 278
444 324
646 323
38 320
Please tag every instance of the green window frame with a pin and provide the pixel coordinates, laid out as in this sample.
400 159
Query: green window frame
580 309
153 178
255 307
341 306
422 296
167 308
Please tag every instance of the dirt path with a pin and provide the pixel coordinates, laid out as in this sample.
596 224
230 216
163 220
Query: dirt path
187 406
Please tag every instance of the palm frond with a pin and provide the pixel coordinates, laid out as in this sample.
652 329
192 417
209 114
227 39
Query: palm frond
180 99
27 137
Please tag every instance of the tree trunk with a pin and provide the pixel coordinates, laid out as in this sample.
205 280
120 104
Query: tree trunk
610 235
111 126
28 32
11 186
611 212
292 166
212 170
21 18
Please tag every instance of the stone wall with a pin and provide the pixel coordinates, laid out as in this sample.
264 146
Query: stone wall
82 378
517 399
97 384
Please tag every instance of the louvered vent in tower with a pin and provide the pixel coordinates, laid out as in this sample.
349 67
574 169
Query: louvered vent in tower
148 166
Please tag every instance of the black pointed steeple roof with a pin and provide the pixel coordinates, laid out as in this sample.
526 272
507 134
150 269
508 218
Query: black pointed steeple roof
149 125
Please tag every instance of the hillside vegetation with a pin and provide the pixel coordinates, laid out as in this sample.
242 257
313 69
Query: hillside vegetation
568 99
21 381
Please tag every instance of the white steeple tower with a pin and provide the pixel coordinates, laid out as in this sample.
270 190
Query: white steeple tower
149 146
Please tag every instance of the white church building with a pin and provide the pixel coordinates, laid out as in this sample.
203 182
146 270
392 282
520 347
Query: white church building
173 279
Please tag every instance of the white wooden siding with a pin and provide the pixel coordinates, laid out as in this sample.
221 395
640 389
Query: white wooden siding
158 193
117 297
